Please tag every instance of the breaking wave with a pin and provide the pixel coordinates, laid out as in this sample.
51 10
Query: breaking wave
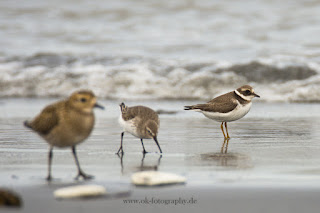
47 75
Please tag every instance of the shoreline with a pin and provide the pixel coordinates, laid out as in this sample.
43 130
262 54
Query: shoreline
273 160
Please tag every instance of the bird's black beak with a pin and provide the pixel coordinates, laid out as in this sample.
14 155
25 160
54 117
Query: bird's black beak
99 106
256 95
156 140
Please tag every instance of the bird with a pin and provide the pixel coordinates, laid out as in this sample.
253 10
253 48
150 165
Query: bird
227 107
140 121
66 123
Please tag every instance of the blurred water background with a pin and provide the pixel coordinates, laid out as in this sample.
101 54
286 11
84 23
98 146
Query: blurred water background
150 49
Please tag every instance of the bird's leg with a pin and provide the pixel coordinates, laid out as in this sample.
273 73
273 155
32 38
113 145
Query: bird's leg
80 172
142 161
121 149
225 124
50 155
222 148
226 150
121 161
156 140
222 130
144 150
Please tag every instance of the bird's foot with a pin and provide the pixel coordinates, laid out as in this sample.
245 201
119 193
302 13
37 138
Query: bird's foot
120 151
84 176
144 152
49 178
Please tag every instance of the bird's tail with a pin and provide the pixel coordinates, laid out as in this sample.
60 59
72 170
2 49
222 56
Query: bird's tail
188 107
197 107
123 107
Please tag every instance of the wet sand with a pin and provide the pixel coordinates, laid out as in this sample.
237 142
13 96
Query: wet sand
272 162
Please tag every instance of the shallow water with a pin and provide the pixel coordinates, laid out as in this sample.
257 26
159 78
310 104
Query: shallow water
229 30
274 144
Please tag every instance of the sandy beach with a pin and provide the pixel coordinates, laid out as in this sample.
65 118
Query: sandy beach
165 55
272 163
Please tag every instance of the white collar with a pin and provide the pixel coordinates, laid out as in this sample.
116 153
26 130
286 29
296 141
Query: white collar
242 96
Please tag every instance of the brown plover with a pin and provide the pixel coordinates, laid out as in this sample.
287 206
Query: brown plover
66 124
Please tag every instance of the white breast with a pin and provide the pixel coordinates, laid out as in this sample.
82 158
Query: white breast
129 126
237 113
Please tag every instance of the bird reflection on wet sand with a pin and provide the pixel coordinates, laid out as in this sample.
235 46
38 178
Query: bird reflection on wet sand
225 159
225 144
232 160
142 166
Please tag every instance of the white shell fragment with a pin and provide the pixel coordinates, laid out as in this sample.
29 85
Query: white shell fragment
155 178
80 191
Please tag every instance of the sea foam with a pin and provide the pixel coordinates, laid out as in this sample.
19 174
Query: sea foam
47 75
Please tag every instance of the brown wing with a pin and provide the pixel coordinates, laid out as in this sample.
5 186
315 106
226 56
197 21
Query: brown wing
45 121
142 112
220 104
129 114
146 112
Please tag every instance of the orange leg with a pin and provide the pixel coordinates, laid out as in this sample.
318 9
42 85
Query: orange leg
222 148
226 149
225 124
222 130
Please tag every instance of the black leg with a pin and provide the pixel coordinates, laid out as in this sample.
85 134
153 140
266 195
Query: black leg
121 149
50 155
142 162
156 140
80 172
144 151
121 161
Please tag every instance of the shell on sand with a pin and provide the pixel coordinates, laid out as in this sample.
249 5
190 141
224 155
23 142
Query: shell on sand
155 178
82 191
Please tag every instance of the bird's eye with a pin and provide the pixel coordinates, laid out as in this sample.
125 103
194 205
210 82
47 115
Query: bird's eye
83 100
149 131
247 92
